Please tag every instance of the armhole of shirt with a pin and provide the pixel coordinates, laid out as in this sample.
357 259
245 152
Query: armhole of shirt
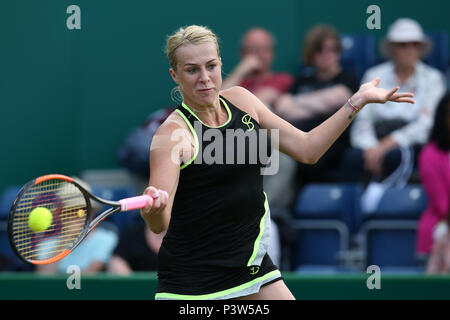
195 138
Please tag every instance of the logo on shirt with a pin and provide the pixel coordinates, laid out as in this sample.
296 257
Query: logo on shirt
254 270
247 120
236 146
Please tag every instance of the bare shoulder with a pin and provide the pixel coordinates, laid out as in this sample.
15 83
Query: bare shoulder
171 131
243 100
173 122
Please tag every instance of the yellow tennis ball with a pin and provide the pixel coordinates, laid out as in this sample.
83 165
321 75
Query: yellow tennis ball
40 219
80 213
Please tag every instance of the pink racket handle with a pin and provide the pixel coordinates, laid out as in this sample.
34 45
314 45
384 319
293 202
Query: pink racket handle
135 203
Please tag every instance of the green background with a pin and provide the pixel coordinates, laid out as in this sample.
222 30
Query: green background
69 97
303 287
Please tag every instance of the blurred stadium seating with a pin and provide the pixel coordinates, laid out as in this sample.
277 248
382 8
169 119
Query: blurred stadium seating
388 235
8 260
358 52
335 236
339 201
325 218
438 57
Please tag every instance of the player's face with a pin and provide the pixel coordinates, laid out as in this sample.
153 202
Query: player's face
198 73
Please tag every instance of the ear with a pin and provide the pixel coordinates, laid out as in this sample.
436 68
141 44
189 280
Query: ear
174 75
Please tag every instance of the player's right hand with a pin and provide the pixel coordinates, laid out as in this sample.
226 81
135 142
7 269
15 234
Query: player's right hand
159 203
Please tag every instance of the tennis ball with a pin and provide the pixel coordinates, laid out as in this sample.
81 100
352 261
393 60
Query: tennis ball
80 213
40 219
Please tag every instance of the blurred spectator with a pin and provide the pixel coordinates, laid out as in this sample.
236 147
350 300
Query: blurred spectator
137 250
254 70
93 253
134 153
434 169
439 262
385 139
321 88
91 256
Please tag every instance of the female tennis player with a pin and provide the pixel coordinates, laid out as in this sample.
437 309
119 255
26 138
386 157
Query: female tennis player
216 214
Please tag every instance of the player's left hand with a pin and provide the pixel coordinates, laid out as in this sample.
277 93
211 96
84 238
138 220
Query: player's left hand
370 93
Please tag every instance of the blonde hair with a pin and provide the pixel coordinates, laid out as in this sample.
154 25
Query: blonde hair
188 35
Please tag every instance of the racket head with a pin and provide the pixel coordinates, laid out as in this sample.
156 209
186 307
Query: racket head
71 210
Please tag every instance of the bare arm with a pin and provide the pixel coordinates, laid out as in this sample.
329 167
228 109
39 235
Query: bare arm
325 100
309 147
166 152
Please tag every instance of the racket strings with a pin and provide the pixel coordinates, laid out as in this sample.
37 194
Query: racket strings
69 215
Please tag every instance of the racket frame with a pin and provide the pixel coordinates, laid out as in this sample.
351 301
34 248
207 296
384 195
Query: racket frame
88 227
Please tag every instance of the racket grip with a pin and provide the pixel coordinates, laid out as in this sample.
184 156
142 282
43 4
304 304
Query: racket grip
134 203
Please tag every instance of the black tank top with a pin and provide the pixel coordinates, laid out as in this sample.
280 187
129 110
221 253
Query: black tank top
220 216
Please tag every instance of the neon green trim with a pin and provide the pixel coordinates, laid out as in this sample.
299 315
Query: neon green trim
195 137
261 232
226 107
219 294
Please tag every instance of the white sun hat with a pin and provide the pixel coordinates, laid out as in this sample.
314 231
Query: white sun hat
405 30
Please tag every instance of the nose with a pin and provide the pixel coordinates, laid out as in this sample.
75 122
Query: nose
204 75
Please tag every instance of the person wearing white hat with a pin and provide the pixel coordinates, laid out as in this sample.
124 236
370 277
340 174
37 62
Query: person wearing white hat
385 138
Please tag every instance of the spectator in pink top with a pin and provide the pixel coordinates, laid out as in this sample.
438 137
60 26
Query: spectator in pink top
434 169
254 71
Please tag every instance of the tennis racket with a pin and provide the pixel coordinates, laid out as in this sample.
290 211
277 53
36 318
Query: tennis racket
72 217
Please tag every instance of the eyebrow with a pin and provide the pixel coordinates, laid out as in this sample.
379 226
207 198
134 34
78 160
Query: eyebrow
194 64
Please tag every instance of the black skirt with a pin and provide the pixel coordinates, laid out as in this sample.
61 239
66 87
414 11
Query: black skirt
211 283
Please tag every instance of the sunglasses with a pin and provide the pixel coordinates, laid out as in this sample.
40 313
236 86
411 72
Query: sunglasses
323 49
415 44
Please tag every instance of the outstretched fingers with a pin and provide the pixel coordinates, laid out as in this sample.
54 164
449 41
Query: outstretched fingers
409 100
402 97
391 93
